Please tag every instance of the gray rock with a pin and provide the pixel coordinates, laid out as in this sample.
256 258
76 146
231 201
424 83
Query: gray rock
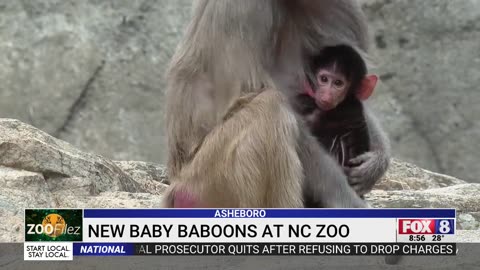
92 73
463 197
39 171
408 186
468 236
468 222
25 148
407 176
151 177
427 55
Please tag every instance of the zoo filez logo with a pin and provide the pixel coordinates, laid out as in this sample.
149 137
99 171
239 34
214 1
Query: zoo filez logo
53 225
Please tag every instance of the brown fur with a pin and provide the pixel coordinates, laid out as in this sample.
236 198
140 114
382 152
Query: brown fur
233 160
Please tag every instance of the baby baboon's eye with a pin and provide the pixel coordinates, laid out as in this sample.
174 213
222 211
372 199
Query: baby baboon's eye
338 83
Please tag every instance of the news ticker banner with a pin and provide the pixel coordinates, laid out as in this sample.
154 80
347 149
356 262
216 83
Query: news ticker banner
61 234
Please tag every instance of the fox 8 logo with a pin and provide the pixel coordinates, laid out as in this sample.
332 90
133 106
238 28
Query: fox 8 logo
426 226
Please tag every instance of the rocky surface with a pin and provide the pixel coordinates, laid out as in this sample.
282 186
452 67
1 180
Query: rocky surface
427 55
39 171
91 73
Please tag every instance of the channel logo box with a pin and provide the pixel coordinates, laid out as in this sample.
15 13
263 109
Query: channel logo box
64 225
426 226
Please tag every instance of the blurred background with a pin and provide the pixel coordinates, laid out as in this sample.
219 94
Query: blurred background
92 73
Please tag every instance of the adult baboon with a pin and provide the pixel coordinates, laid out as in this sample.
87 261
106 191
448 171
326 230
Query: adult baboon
234 139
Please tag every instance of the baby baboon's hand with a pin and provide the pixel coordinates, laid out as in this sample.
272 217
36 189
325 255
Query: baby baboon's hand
364 171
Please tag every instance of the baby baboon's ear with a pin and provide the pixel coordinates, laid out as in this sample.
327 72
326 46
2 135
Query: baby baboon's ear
367 86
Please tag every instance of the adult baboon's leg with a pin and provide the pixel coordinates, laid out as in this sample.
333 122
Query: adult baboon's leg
249 160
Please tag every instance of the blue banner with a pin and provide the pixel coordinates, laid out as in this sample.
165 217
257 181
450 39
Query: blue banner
103 249
270 213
